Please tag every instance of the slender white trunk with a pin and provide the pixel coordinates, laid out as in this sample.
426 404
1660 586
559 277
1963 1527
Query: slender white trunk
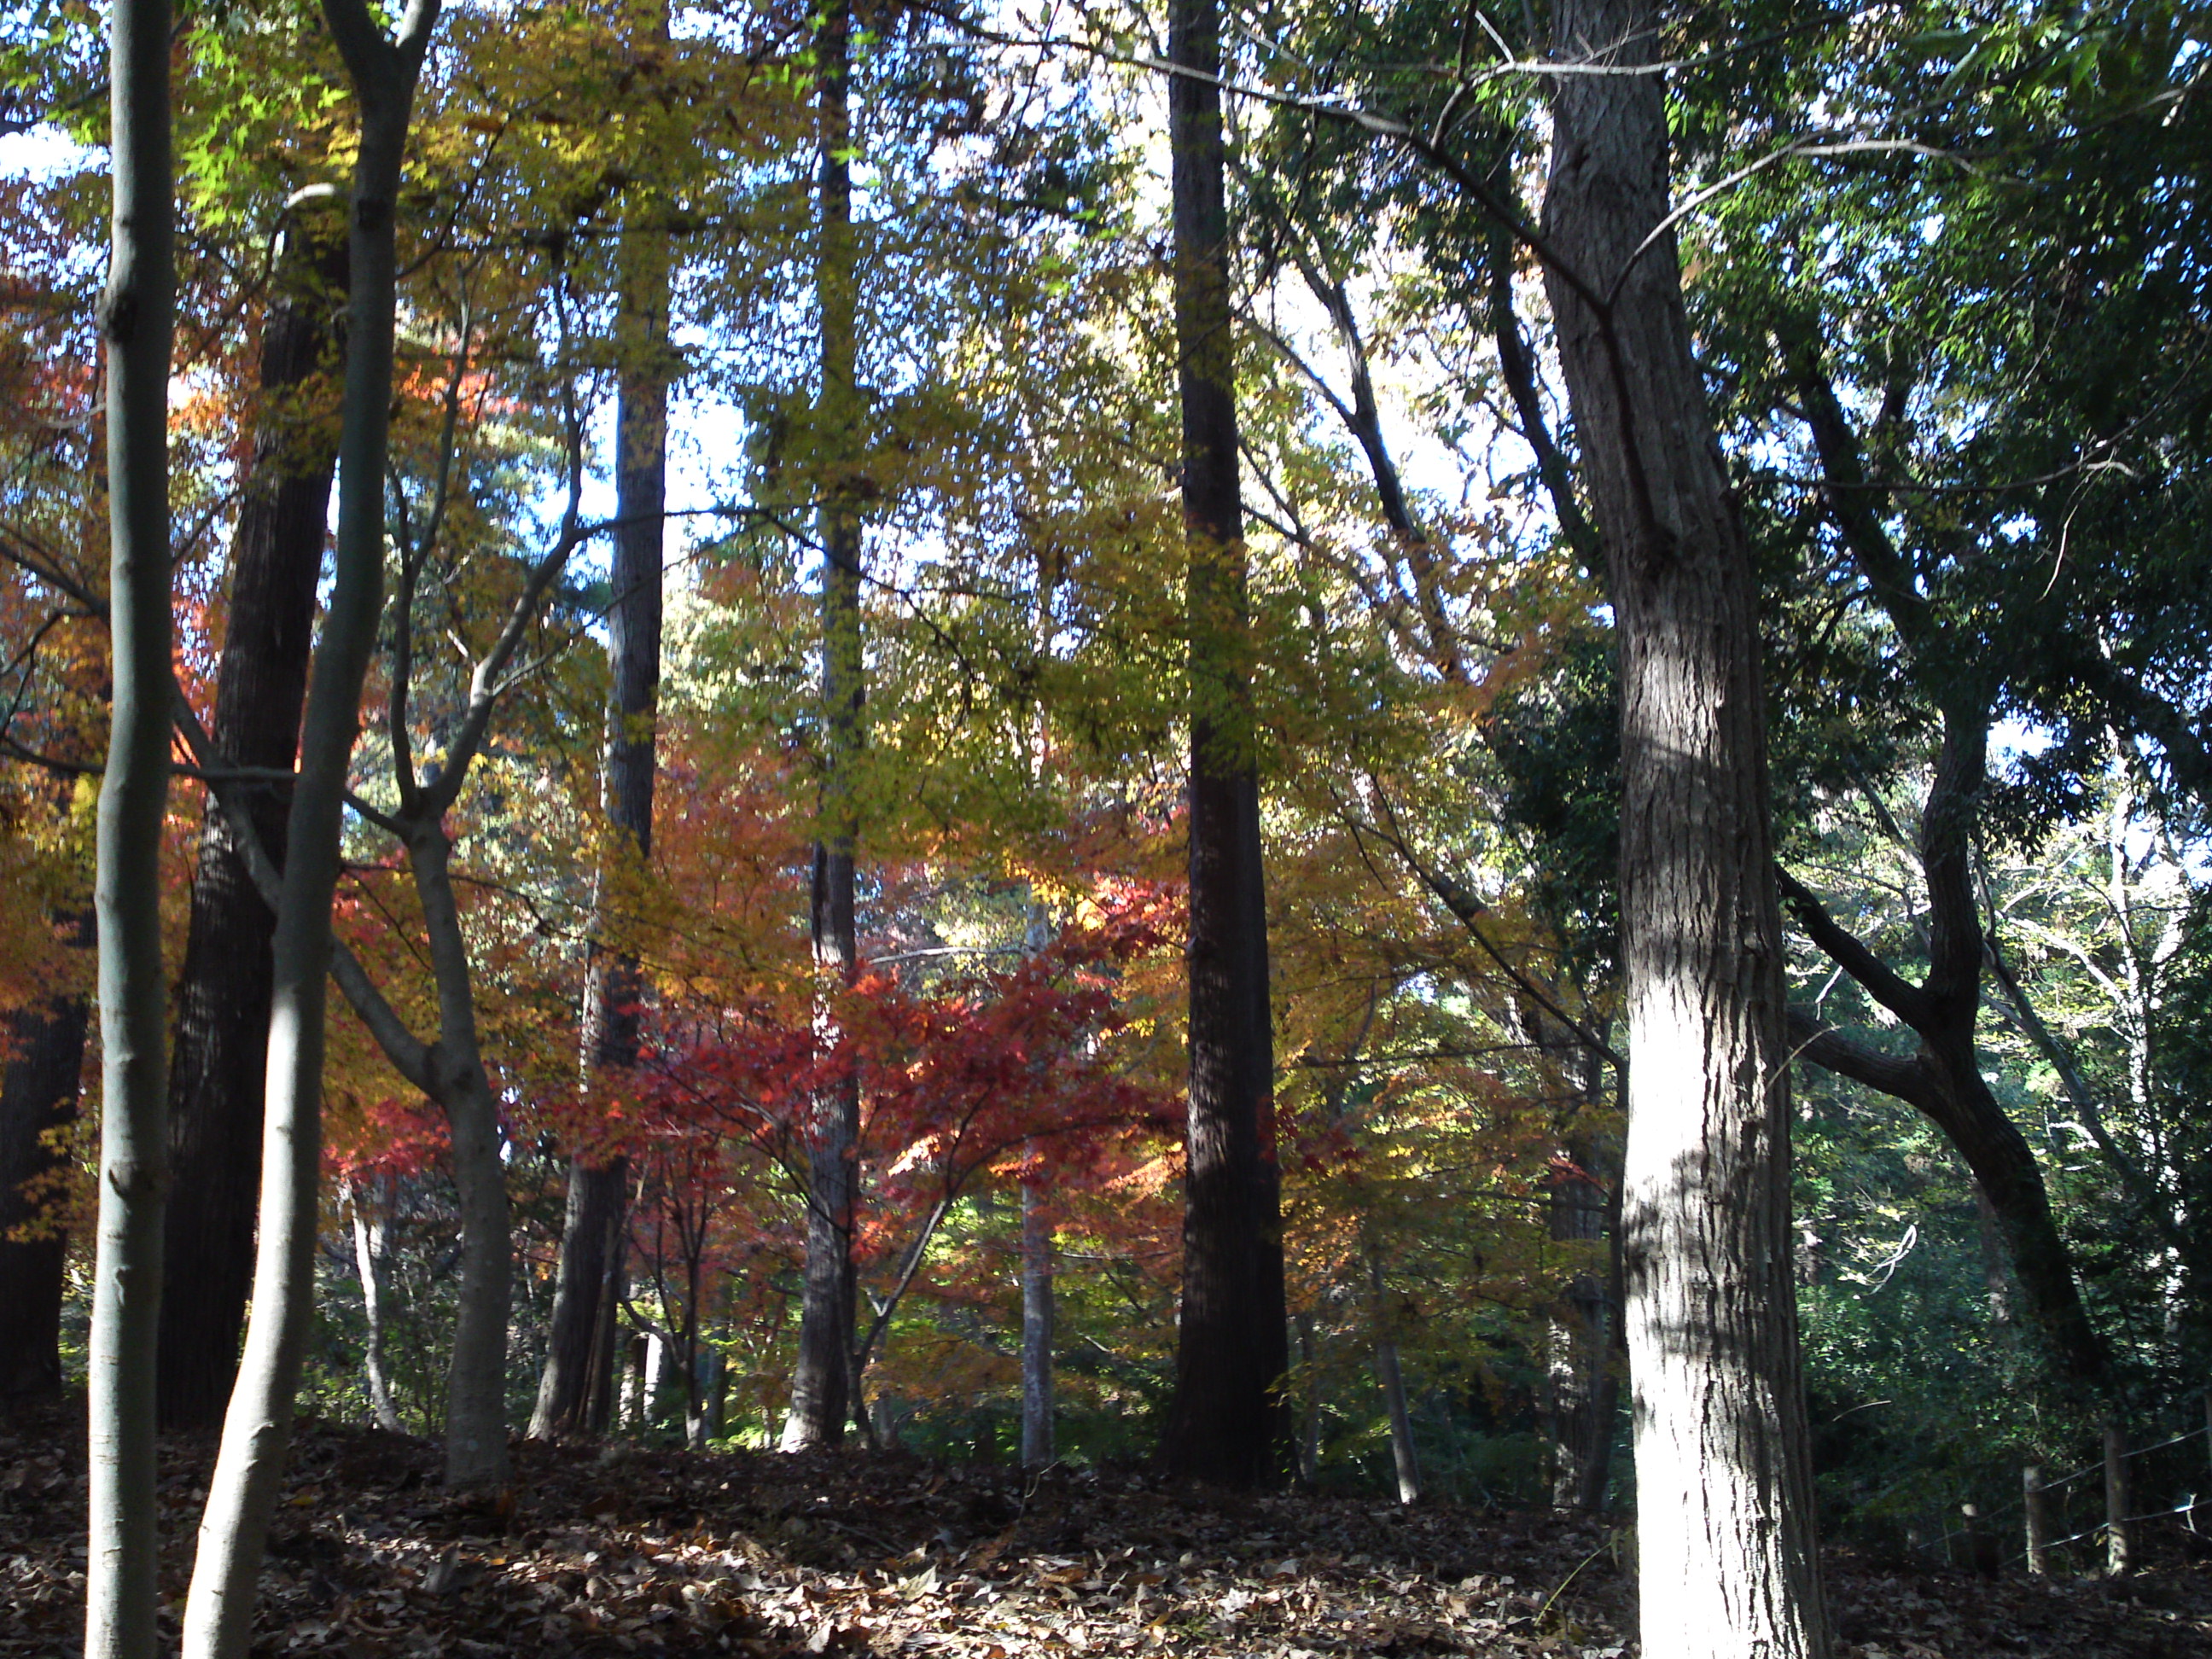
136 320
369 1261
256 1430
1403 1463
1037 1448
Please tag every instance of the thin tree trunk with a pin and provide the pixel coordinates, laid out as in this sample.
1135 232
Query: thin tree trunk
821 1383
574 1392
137 317
1309 1422
1037 1449
1228 1421
369 1261
221 1037
475 1382
256 1429
38 1093
1725 1533
1403 1462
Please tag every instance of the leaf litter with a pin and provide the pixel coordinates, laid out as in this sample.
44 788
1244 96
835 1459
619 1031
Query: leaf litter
620 1551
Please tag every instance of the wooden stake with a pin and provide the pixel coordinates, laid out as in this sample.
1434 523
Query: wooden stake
2039 1525
2115 1498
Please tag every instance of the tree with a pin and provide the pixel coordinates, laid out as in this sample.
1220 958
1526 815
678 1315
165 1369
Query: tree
242 1491
222 1040
822 1387
137 317
1725 1538
1230 1421
576 1389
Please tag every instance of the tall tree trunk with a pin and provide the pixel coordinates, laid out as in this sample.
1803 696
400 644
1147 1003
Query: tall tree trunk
256 1429
1037 1448
1228 1421
222 1040
136 318
821 1391
368 1254
38 1090
1725 1533
575 1391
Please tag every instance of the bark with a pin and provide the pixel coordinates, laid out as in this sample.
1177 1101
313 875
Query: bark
575 1392
256 1429
822 1392
1037 1449
37 1093
222 1034
1228 1421
368 1254
136 318
1725 1533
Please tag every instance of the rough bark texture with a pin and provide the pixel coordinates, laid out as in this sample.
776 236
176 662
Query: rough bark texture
136 318
38 1090
256 1429
222 1034
1228 1421
821 1381
575 1393
1725 1536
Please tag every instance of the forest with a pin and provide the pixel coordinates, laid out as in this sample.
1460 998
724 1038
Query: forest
1292 826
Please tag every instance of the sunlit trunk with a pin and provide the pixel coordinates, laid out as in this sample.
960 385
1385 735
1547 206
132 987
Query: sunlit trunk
1724 1536
136 318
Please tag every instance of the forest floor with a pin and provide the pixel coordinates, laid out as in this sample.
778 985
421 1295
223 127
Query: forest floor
662 1553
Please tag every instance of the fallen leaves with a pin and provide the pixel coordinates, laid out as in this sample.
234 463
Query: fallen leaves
765 1557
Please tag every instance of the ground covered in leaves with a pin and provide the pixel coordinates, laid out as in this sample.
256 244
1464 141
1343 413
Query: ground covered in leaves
634 1553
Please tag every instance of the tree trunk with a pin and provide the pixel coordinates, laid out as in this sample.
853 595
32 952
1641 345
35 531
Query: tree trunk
39 1092
575 1391
256 1429
1725 1533
1579 1340
136 318
1228 1421
1310 1404
369 1261
1944 1079
1403 1462
476 1384
221 1040
1037 1448
821 1392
